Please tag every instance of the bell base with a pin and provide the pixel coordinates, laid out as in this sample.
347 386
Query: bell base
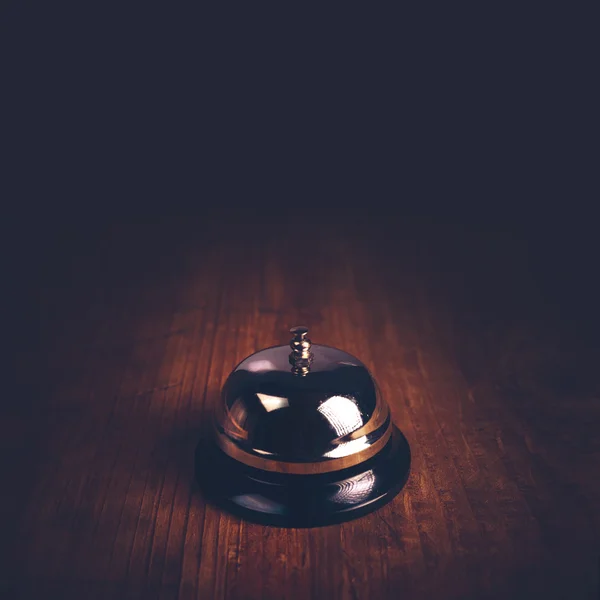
285 500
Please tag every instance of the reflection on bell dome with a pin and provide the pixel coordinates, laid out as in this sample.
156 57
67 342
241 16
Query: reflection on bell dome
346 448
238 414
272 402
342 414
260 365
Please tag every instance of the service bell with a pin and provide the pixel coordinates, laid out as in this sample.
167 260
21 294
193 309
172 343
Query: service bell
302 437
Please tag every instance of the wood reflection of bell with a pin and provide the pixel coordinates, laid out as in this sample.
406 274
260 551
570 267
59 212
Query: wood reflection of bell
302 439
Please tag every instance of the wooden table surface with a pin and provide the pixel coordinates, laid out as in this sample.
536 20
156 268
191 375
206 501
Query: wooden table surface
490 369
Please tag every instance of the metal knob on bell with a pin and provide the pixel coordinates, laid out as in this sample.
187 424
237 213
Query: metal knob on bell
302 437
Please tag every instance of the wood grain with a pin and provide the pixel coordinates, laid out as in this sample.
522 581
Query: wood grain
487 371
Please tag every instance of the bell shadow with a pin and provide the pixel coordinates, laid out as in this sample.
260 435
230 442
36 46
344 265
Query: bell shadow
176 449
